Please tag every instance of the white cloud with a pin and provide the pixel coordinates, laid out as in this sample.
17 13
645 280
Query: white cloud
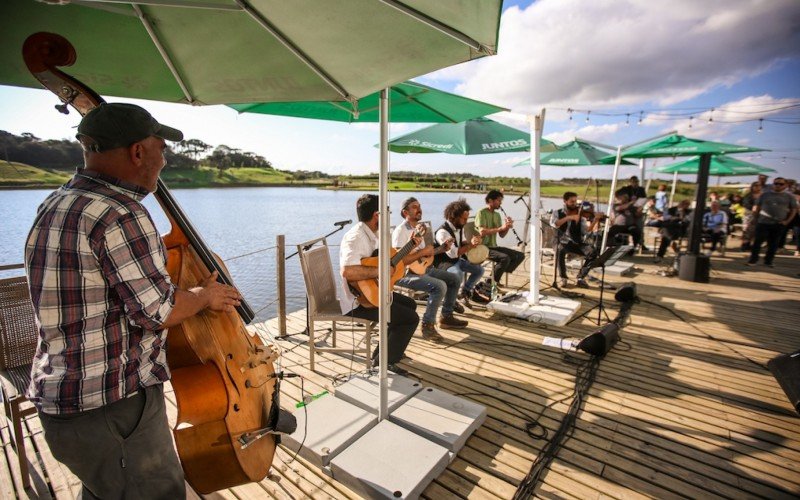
620 52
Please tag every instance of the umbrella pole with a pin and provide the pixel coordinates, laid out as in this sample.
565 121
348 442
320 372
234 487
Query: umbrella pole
700 204
674 184
610 207
641 172
537 125
384 249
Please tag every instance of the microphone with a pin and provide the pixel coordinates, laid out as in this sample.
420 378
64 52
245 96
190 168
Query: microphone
520 197
343 223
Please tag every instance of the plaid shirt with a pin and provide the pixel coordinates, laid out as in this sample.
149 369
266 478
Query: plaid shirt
97 273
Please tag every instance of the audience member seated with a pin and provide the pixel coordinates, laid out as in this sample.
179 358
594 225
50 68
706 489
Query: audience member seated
674 224
715 225
624 222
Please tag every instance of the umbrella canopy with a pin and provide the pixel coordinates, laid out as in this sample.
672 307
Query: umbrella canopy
409 102
679 145
576 153
472 137
232 51
720 166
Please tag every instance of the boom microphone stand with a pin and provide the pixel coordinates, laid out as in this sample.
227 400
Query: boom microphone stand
339 226
610 257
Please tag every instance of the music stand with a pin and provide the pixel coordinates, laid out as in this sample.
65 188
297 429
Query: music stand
609 257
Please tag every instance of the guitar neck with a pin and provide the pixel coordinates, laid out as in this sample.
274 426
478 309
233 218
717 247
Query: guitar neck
400 255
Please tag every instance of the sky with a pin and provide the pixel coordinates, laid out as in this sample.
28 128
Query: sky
653 63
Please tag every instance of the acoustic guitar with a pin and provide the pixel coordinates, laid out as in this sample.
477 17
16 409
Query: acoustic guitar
366 291
422 264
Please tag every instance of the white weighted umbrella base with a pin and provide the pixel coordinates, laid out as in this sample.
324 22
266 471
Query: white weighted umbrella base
555 311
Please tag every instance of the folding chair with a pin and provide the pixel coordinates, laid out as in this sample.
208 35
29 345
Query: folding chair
18 339
323 302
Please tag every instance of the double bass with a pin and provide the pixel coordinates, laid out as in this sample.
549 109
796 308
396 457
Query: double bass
223 377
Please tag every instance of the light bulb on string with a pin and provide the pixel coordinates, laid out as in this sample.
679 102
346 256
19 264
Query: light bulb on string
711 116
760 125
627 119
783 160
587 115
690 121
640 117
569 110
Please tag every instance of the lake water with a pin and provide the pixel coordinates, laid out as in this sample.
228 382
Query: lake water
241 224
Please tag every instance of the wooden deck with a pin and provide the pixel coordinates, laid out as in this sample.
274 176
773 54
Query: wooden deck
681 408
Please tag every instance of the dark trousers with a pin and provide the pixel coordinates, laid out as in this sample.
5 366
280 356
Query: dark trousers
403 322
507 260
572 247
632 230
122 450
769 233
714 237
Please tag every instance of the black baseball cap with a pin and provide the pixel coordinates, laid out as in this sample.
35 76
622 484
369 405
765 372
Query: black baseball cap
116 125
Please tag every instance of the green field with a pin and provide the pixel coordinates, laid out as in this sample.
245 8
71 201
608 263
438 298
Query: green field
20 176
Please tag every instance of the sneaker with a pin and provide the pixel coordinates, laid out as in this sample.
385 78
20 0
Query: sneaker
463 297
479 297
582 283
429 332
458 308
451 322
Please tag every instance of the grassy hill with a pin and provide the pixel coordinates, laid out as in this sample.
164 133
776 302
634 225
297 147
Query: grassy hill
20 176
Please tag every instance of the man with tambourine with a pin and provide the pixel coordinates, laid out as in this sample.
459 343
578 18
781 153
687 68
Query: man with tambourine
569 221
454 260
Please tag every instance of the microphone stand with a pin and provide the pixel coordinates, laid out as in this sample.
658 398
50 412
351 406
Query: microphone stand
339 227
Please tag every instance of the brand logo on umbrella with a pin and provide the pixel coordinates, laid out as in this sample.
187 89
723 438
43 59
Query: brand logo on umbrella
518 143
426 144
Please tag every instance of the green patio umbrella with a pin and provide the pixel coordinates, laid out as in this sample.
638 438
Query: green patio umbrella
409 102
472 137
575 153
696 265
232 51
720 165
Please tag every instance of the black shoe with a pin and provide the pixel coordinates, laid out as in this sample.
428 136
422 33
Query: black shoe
582 283
394 368
479 297
458 308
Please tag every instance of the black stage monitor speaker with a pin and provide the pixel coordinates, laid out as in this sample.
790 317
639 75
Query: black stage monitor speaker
694 268
786 370
626 292
601 341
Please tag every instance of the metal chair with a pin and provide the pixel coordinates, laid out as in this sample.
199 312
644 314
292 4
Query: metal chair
18 339
323 301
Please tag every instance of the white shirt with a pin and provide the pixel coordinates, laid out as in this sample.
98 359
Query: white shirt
359 242
402 234
442 235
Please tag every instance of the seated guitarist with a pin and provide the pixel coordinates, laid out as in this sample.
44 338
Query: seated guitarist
437 282
360 242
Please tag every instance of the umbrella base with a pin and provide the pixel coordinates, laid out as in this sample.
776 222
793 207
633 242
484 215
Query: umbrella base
694 268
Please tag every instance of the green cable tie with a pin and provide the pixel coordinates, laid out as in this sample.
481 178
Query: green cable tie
306 400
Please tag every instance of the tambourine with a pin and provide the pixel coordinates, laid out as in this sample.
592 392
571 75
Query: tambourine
478 254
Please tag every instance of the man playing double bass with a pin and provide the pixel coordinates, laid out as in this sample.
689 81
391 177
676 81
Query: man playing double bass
103 300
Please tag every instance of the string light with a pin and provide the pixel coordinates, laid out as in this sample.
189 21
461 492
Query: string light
760 125
641 113
569 110
711 116
587 116
627 119
690 121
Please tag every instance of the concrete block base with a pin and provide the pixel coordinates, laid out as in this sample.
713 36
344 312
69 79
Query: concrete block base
556 311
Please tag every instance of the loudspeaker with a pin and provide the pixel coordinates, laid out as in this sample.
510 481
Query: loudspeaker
786 370
601 341
626 292
694 268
